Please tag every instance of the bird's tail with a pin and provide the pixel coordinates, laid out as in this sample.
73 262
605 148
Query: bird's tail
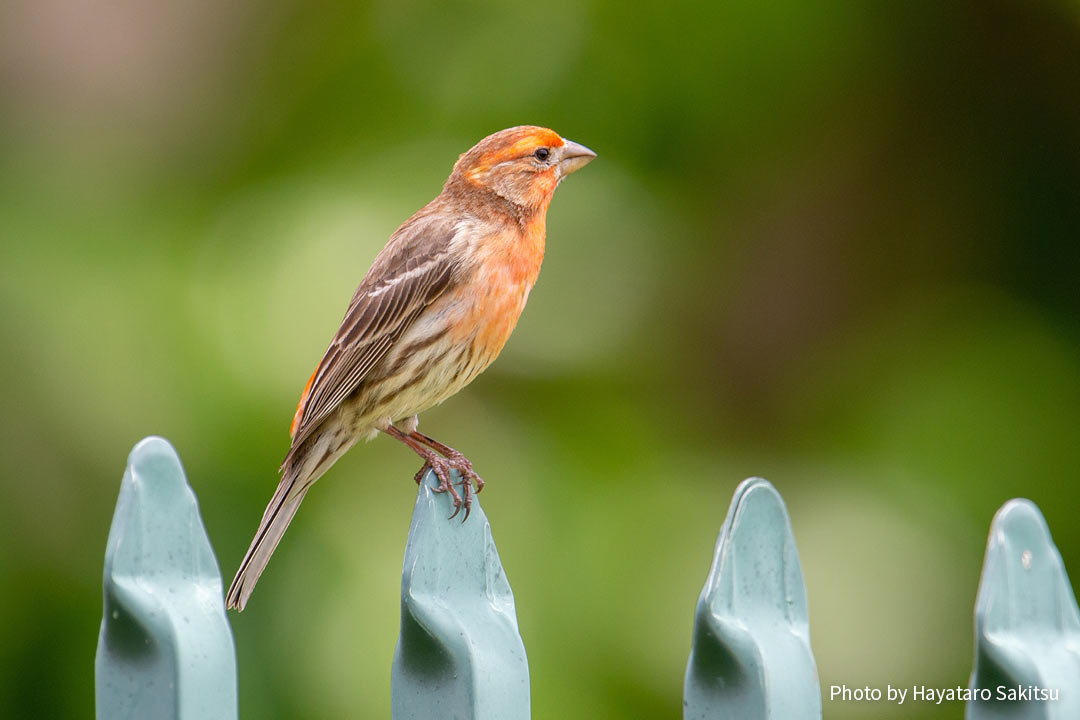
305 463
279 513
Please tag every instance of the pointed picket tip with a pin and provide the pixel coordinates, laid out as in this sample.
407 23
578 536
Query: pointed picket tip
165 649
459 653
1027 626
152 534
751 655
756 568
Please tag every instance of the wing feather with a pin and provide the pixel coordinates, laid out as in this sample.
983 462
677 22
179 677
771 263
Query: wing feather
411 272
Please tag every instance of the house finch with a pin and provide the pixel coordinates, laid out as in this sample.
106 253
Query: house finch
433 311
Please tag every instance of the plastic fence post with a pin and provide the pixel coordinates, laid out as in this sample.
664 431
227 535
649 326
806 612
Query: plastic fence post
751 657
1027 627
165 648
459 654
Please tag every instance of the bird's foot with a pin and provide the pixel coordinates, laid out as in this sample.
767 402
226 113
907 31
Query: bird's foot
442 467
442 460
455 460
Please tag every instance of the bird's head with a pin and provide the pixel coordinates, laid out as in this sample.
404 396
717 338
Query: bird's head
522 164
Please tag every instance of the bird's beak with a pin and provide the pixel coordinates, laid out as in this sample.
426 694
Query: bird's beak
574 157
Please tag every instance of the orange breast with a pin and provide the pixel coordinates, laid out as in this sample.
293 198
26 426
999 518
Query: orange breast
508 267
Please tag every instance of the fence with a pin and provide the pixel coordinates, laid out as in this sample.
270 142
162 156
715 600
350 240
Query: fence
166 651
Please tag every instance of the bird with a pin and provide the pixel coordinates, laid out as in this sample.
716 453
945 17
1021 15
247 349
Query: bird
433 311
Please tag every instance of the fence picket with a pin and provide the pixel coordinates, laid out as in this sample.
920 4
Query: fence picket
459 654
165 650
1027 626
751 656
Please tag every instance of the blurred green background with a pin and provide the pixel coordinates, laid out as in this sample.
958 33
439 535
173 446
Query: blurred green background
834 244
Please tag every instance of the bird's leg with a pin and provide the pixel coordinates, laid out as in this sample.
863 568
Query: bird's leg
439 465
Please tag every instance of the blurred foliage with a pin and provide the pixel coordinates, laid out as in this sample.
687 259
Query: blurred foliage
831 244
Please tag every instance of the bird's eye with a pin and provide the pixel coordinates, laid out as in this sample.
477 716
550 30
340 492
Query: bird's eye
542 154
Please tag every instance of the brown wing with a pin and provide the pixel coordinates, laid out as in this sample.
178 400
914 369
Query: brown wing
412 271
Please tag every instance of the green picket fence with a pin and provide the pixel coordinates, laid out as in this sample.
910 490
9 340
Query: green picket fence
166 650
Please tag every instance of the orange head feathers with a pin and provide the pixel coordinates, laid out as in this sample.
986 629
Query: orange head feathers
522 164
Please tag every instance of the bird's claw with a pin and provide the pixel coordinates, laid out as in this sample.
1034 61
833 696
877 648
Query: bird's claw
441 467
463 466
419 476
469 478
